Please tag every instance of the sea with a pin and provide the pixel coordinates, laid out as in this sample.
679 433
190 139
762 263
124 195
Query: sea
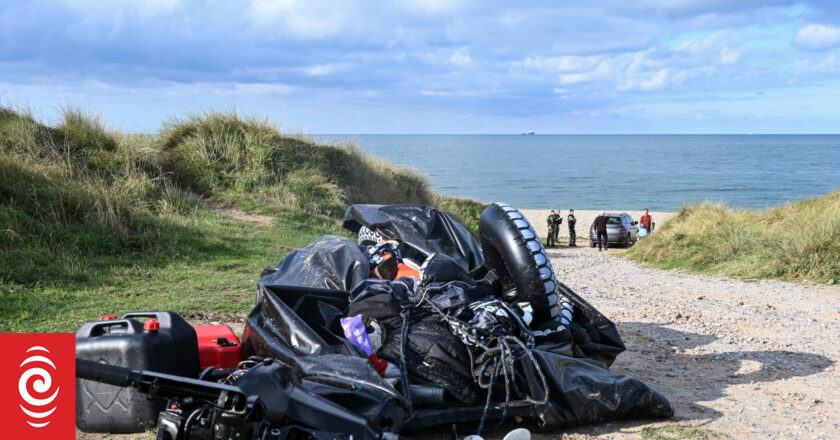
628 172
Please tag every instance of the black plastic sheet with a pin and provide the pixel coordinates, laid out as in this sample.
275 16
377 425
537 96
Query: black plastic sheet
581 389
581 392
327 364
330 262
595 335
423 228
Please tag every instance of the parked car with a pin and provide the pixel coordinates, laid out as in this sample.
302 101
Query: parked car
621 229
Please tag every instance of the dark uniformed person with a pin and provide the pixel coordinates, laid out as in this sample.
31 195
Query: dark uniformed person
601 230
571 220
557 222
551 222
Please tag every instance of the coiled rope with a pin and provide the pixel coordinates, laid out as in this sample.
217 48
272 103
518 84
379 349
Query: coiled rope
497 355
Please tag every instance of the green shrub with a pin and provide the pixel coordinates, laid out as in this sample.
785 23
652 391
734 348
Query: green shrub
220 151
76 193
83 133
674 432
466 211
307 190
796 241
247 162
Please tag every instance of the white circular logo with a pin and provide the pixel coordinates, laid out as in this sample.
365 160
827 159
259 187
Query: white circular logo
38 380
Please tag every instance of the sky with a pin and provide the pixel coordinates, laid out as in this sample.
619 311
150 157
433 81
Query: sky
438 66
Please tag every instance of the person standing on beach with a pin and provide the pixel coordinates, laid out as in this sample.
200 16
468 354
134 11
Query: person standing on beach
571 220
558 222
643 232
552 225
601 230
647 220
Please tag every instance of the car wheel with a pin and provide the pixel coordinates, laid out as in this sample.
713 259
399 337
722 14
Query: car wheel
513 250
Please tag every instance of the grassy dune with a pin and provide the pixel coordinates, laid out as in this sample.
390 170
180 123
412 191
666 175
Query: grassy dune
798 241
95 221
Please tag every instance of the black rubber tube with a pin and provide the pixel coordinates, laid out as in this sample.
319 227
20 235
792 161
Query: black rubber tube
513 249
98 372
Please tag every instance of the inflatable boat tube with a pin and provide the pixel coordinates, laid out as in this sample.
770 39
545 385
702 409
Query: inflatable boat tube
367 237
514 251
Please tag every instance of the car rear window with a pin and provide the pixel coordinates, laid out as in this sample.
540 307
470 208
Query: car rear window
613 220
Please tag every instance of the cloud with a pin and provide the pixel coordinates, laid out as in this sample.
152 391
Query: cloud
559 64
326 69
261 89
729 56
713 47
817 37
654 80
461 58
704 53
434 93
489 59
829 64
682 9
143 7
605 70
434 6
301 18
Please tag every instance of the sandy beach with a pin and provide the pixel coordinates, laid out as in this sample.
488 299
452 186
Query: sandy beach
538 217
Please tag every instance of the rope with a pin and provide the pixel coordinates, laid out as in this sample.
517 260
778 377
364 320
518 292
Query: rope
406 313
491 344
489 395
497 355
536 365
506 373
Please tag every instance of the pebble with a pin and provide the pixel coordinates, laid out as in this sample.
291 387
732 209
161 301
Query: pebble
786 339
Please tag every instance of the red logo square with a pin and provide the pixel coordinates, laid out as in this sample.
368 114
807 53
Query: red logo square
37 382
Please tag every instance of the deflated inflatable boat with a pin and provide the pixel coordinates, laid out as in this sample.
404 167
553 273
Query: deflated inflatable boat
416 325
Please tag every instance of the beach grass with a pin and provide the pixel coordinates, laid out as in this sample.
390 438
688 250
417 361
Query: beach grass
675 432
797 241
95 221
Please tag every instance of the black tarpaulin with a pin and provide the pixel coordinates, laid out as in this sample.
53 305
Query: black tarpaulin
330 262
299 327
581 392
327 363
595 335
424 228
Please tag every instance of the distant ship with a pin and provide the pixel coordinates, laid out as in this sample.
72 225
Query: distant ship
529 133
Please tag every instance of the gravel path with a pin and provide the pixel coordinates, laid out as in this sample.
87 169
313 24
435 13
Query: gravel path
749 359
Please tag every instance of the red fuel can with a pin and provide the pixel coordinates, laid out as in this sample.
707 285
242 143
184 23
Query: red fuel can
218 346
